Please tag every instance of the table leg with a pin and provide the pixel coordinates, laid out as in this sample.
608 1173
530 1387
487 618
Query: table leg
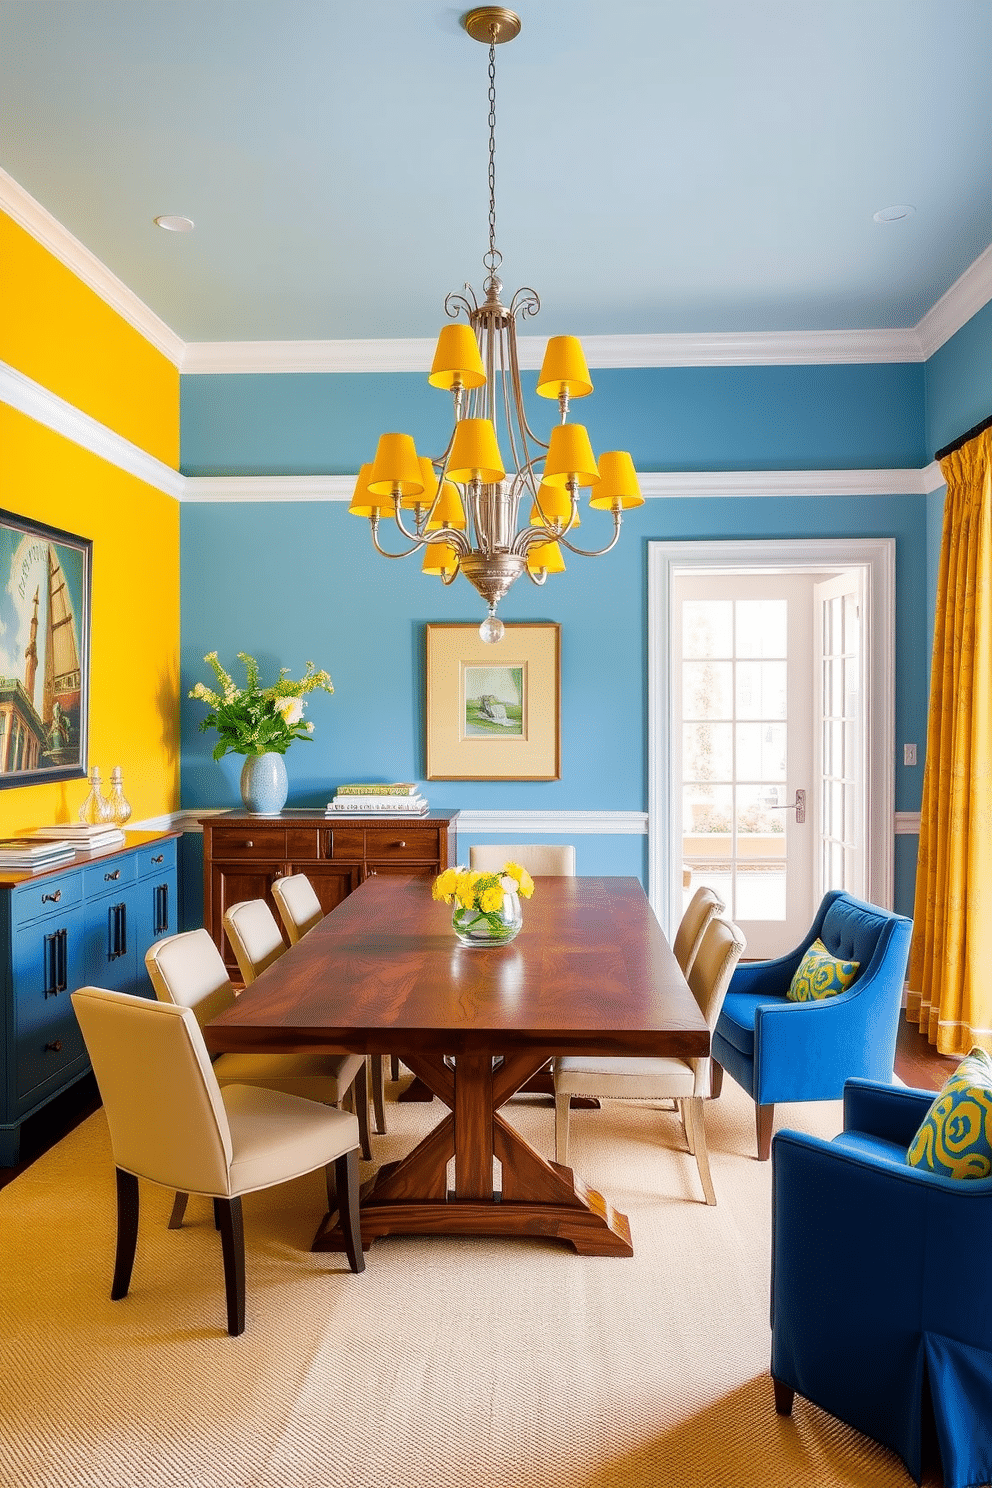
538 1198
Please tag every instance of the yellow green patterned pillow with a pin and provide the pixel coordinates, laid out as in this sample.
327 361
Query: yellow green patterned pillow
955 1138
821 975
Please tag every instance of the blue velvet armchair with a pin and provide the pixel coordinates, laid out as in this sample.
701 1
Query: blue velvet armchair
880 1285
804 1051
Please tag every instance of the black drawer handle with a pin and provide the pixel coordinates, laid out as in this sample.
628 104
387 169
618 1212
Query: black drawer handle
55 1048
112 877
56 957
159 859
52 898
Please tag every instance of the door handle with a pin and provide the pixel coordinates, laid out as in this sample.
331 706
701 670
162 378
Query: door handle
798 805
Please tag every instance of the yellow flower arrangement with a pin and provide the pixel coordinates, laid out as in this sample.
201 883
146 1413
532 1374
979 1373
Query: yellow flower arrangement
487 905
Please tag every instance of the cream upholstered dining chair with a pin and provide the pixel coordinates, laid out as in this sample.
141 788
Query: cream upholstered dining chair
171 1123
255 937
542 860
701 908
686 1081
300 909
188 970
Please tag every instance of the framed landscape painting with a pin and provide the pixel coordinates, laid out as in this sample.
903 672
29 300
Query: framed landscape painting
493 711
44 652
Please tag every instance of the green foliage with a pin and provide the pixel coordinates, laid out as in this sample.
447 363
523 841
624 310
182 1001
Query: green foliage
254 719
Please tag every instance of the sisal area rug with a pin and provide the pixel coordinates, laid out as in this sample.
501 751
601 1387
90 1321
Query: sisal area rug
495 1364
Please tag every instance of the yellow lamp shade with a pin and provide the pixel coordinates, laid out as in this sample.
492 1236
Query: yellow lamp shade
449 511
362 501
618 482
426 496
570 457
546 556
440 559
457 361
475 453
564 369
555 502
396 467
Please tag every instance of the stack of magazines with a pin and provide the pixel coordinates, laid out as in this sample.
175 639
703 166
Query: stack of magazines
399 799
29 855
83 837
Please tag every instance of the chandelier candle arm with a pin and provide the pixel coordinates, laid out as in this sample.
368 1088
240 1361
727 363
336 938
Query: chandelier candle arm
465 519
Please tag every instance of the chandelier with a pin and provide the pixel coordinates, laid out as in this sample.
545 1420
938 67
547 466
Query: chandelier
461 508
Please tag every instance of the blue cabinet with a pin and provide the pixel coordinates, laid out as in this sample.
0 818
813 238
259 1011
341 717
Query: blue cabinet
88 923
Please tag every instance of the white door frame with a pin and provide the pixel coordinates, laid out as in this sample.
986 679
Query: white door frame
877 557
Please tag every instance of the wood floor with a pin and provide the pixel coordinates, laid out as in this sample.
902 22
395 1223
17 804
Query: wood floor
916 1063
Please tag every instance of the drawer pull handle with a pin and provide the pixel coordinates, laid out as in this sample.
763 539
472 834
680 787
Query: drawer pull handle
401 844
249 843
55 1048
159 859
52 898
112 877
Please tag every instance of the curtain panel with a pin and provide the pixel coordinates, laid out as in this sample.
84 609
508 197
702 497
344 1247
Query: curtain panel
950 992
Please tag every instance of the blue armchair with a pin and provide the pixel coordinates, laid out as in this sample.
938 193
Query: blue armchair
804 1051
880 1285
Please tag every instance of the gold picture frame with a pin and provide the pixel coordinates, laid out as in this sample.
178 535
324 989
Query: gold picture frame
493 712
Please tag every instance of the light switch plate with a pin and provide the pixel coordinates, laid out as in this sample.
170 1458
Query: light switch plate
909 754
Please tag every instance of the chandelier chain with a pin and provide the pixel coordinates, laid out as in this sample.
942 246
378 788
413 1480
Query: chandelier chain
493 258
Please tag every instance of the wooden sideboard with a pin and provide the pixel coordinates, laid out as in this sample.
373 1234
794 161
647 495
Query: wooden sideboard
243 855
87 922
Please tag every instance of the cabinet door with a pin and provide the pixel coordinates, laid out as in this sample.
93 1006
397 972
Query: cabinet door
332 882
110 952
154 917
232 882
47 964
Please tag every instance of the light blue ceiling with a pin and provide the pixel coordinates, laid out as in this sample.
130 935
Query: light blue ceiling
706 165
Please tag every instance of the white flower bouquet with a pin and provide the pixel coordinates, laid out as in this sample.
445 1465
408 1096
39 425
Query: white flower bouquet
254 719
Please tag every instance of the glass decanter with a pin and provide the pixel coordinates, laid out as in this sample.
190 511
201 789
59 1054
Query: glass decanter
96 807
120 806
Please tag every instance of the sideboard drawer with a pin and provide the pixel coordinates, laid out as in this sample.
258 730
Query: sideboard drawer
158 859
346 842
47 896
250 841
402 842
107 877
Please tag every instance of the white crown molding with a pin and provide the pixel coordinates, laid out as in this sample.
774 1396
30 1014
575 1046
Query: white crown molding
966 296
719 349
55 413
542 823
50 233
247 488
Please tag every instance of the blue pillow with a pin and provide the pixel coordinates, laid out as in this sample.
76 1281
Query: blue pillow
821 975
955 1137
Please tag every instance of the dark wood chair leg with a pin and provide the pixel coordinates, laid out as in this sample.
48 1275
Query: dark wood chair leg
178 1211
217 1213
784 1396
346 1190
127 1233
361 1098
394 1066
232 1239
716 1079
763 1119
378 1092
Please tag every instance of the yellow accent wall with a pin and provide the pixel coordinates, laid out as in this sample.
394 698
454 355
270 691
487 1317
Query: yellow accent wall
85 353
58 331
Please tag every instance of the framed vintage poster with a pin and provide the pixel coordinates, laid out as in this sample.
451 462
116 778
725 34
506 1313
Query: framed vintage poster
44 652
493 711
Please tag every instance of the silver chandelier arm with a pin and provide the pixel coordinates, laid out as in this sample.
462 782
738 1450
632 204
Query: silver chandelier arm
596 552
374 526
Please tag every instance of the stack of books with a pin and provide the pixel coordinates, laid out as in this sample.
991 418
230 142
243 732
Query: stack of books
399 799
29 855
83 837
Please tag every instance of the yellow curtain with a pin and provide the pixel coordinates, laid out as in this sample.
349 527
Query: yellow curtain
950 982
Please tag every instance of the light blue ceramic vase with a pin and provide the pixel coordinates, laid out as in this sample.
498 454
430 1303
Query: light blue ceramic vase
264 785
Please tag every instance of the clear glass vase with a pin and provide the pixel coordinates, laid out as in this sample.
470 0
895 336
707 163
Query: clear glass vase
96 808
120 806
473 927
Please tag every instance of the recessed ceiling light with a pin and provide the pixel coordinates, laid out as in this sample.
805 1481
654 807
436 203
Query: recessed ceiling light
893 214
175 224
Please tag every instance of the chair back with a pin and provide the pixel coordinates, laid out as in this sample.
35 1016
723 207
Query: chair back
254 935
701 908
164 1108
720 949
542 860
856 931
298 905
189 970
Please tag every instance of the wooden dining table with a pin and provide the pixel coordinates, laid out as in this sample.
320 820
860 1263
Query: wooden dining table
589 973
